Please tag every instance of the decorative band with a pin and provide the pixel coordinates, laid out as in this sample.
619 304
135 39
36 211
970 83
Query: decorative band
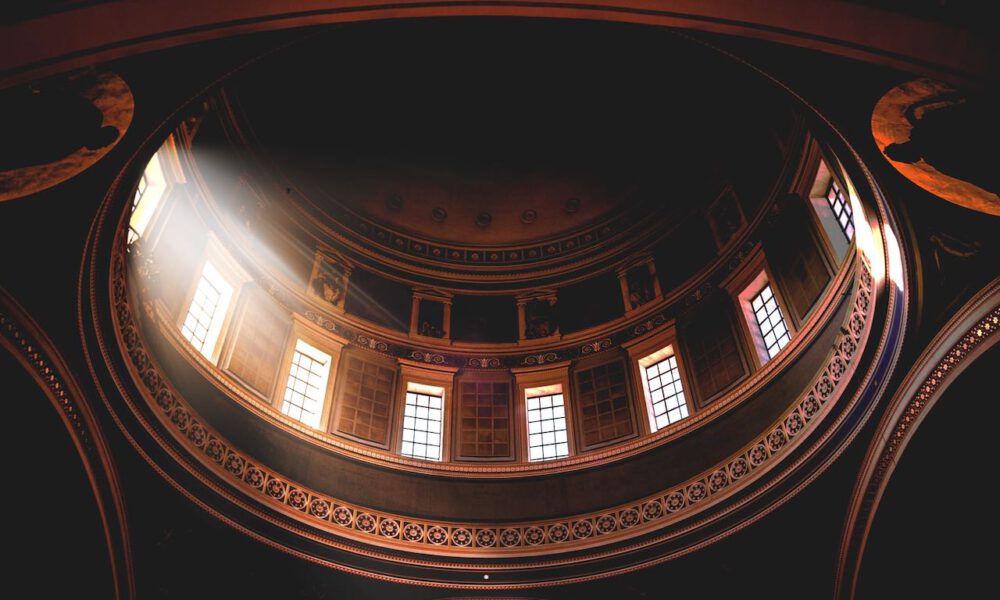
380 528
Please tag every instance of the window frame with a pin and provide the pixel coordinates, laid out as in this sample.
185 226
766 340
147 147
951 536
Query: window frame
752 292
531 379
662 355
322 340
841 197
233 274
419 390
420 375
172 175
835 243
640 352
285 373
742 286
549 392
224 292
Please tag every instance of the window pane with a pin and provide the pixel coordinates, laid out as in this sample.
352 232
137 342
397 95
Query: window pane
306 386
841 208
665 391
422 426
771 323
150 190
546 414
205 316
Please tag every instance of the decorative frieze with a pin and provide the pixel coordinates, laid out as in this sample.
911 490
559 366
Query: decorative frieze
647 513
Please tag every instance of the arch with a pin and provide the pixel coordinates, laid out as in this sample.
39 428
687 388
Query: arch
106 31
28 344
972 331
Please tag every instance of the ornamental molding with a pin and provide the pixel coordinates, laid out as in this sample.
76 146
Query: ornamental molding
973 330
236 390
422 569
620 228
29 345
574 532
398 345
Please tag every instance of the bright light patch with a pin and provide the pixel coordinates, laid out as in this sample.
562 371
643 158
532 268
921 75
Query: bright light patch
547 427
207 311
306 387
148 194
422 419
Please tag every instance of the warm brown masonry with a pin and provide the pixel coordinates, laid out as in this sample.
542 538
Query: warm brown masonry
497 299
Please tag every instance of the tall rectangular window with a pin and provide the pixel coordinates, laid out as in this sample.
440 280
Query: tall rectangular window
770 321
207 311
422 421
150 190
666 394
306 387
841 208
547 427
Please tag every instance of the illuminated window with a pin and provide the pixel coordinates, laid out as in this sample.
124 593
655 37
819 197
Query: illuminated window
831 202
152 186
841 208
422 419
662 383
207 312
770 321
547 427
306 387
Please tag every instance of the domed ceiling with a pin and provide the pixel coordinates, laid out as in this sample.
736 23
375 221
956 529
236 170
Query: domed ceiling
538 307
430 302
480 148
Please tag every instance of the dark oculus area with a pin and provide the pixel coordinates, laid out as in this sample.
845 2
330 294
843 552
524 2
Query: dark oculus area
450 132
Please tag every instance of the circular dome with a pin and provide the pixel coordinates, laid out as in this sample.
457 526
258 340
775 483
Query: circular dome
302 351
574 132
500 166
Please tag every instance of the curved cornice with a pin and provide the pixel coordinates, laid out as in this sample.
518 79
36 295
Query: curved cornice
106 31
565 534
31 347
577 344
826 308
612 334
969 333
618 231
800 461
570 257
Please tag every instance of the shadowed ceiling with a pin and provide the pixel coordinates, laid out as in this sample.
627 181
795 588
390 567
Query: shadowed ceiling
491 130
